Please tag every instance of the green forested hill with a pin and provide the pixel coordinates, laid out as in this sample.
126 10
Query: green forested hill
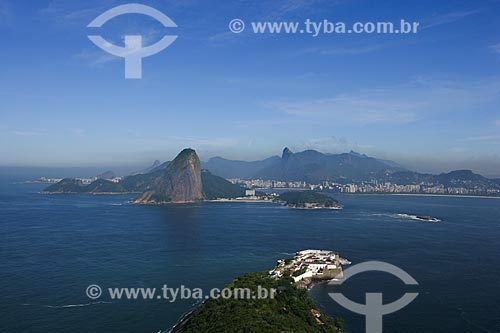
299 198
215 187
289 311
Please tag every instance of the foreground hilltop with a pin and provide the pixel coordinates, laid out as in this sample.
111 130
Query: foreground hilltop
291 310
181 180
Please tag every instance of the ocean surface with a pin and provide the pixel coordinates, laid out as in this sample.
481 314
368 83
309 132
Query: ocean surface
53 246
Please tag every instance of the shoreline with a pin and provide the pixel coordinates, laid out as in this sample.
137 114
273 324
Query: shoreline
262 200
89 193
238 200
389 194
428 195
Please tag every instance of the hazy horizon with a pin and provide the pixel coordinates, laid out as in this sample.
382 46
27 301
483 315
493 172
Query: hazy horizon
129 167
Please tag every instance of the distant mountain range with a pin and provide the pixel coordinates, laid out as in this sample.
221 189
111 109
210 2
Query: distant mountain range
309 165
106 175
187 179
314 167
238 169
457 178
153 167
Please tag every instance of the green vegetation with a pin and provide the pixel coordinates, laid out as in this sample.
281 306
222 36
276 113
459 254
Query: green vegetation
299 272
289 311
160 198
215 187
301 198
130 184
104 186
140 182
66 185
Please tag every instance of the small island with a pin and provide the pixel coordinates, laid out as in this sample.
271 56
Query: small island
290 310
308 200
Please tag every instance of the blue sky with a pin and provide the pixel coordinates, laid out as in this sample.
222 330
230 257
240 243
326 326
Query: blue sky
428 100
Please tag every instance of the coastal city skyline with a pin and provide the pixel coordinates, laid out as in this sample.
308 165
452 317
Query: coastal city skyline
324 93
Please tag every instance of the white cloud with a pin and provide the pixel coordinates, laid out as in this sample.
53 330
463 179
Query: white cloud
73 12
352 50
94 58
405 103
347 49
446 18
294 5
4 10
181 141
495 48
346 108
457 150
206 142
482 138
6 17
25 133
76 131
334 144
365 47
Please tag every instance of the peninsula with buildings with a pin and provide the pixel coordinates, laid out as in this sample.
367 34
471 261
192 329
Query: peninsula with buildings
310 265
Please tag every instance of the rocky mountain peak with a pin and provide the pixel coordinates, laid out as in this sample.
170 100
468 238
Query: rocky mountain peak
180 182
286 153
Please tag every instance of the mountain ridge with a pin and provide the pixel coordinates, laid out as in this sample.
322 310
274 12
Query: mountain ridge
181 180
308 165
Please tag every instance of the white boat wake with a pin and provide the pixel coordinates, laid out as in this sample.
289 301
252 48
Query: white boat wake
66 305
418 218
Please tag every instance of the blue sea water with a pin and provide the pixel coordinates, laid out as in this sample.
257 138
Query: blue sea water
53 246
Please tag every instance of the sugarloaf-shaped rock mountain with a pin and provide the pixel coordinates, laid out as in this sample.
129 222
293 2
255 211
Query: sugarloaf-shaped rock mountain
179 182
